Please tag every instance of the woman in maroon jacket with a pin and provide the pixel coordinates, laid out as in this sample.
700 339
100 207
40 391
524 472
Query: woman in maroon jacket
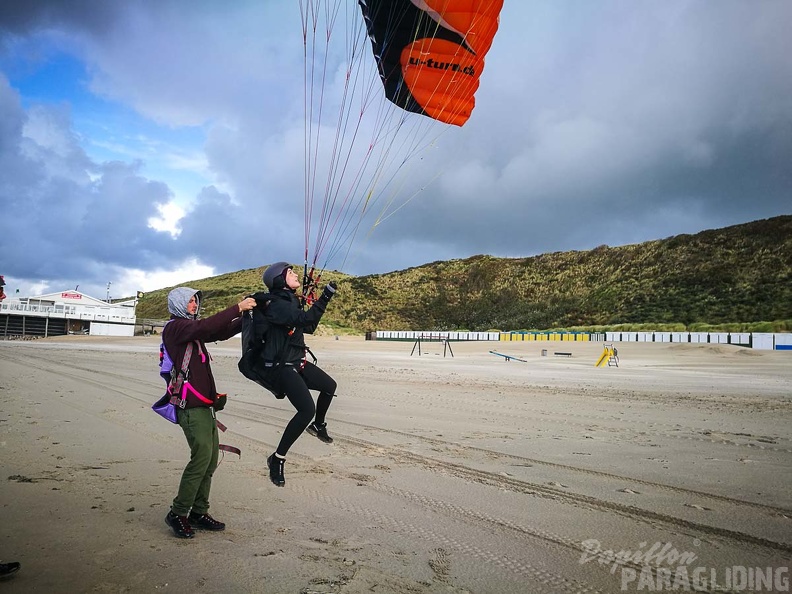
197 419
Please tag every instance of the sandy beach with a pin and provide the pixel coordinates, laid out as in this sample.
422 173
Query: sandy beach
460 474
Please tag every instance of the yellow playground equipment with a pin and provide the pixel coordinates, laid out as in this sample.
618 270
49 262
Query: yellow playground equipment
609 355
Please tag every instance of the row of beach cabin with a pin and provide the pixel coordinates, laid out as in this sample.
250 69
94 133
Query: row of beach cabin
756 340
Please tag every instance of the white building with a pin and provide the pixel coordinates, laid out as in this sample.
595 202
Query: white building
67 312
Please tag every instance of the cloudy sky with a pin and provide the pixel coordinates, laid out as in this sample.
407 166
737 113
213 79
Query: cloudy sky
145 144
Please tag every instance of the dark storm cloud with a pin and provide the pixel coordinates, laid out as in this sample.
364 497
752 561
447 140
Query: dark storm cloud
63 214
609 122
630 122
22 16
229 237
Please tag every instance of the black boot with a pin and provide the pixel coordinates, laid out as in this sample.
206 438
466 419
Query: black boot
7 569
204 522
319 430
275 465
181 527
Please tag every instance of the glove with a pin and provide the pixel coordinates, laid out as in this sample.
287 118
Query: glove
329 290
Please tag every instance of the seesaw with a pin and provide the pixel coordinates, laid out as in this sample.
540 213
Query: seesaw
508 357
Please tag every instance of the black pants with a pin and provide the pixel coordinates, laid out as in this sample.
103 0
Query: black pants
296 384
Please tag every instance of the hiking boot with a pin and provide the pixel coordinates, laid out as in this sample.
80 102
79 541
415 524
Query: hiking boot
180 524
275 465
204 522
320 431
7 569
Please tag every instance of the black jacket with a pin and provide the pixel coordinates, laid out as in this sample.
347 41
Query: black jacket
288 323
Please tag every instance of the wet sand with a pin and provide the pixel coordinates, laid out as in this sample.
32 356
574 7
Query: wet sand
455 474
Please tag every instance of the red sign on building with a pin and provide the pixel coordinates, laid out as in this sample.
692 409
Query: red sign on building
71 295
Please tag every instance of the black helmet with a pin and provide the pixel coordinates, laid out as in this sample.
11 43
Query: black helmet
275 272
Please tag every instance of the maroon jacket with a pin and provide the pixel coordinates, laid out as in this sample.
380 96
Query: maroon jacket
179 332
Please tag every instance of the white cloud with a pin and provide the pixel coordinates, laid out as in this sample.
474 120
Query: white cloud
170 214
132 280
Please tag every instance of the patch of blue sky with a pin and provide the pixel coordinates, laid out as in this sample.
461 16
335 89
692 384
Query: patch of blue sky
109 130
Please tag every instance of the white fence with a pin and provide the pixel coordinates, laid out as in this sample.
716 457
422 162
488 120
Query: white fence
757 340
100 329
434 335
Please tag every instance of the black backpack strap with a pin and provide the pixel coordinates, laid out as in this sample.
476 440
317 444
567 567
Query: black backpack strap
310 352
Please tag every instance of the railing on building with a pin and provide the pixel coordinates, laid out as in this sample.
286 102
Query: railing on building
20 319
88 312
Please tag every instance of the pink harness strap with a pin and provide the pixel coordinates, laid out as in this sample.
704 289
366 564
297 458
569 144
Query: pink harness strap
187 386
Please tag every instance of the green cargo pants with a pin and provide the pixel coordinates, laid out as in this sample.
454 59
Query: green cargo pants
200 430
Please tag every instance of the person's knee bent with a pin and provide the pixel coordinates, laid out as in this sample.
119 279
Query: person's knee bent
300 398
305 412
331 387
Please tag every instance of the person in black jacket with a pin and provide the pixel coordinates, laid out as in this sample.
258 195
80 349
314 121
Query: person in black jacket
190 508
285 356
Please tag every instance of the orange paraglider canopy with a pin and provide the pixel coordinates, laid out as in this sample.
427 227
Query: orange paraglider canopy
430 53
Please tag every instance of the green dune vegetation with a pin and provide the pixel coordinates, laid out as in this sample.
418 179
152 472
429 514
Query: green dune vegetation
735 279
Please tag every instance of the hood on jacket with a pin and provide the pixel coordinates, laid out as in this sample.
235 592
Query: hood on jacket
178 299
